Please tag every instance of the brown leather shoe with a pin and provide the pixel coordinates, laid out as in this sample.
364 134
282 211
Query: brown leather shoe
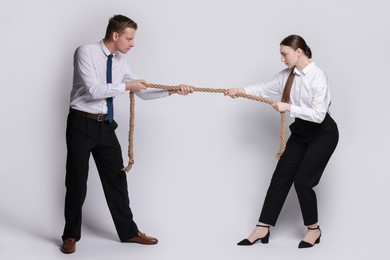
68 246
141 238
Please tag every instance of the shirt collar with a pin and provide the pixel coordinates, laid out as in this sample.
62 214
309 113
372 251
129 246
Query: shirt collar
305 70
104 49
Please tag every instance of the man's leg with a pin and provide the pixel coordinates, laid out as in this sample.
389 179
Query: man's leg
108 158
79 139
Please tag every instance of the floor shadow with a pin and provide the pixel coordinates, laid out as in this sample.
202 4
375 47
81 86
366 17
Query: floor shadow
24 226
99 231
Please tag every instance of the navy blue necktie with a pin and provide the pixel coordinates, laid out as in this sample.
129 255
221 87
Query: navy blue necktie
110 105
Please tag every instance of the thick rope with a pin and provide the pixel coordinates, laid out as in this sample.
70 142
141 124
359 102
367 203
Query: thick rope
209 90
130 151
282 135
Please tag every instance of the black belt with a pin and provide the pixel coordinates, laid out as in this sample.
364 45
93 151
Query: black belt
98 117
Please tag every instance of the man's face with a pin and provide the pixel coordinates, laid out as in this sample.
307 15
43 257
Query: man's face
124 41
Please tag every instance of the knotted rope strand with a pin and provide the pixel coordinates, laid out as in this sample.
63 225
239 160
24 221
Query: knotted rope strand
209 90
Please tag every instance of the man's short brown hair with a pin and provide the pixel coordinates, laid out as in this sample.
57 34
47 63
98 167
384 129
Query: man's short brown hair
118 23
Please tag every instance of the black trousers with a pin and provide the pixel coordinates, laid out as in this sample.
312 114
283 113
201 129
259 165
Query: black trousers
307 153
83 137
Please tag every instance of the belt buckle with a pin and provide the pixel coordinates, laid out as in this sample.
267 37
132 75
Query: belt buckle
101 117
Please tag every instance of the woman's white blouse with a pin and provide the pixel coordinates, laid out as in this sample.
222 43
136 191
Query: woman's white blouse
309 96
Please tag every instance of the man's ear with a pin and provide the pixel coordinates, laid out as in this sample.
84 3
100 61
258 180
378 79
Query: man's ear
115 36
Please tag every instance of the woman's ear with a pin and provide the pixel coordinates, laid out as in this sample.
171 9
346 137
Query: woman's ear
299 51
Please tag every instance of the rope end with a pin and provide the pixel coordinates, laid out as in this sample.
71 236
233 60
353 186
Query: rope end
279 154
128 167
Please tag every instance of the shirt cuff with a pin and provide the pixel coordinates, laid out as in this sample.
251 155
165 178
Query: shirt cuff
294 111
252 89
122 88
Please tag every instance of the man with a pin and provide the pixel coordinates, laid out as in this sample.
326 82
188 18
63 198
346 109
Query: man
100 73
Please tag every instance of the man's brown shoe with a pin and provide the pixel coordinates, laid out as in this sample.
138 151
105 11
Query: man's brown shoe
68 246
141 238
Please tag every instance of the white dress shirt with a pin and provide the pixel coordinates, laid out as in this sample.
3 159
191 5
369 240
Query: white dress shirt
309 96
90 89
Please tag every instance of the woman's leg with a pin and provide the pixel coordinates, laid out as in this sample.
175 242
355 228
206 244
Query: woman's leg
280 185
309 173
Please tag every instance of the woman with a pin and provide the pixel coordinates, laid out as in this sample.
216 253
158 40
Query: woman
314 136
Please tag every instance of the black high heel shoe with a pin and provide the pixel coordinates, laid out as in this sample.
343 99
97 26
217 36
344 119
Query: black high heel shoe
264 240
304 244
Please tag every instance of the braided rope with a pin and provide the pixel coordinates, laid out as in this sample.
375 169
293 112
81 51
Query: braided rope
209 90
282 135
130 151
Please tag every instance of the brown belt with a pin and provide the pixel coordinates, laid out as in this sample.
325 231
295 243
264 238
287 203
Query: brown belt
98 117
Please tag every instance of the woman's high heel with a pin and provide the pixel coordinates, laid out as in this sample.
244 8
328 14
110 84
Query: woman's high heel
264 240
304 244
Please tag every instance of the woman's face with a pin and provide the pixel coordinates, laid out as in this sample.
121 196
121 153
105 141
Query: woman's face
289 56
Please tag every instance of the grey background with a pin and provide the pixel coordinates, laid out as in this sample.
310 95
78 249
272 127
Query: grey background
204 161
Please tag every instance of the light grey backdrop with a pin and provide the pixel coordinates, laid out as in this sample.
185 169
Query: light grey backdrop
203 162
